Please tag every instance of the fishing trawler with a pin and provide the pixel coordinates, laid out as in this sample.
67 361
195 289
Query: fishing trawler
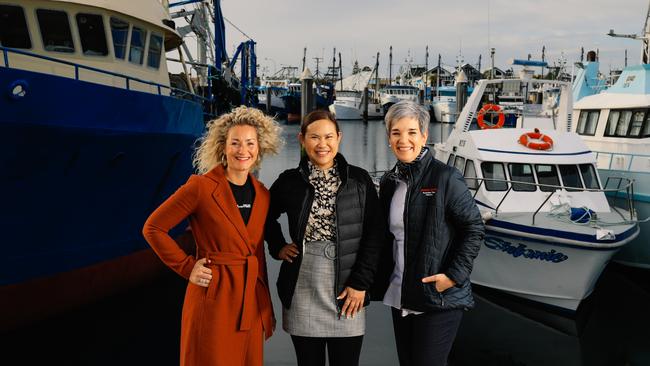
95 134
550 230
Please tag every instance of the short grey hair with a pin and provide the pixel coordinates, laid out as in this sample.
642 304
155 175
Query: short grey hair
407 109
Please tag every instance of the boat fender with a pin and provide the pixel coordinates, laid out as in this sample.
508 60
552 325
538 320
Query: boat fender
18 89
582 215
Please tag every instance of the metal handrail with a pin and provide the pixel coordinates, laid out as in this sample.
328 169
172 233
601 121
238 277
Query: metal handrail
128 79
611 156
629 187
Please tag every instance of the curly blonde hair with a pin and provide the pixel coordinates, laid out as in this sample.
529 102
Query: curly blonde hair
212 144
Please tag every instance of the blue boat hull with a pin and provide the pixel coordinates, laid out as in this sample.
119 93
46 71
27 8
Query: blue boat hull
81 167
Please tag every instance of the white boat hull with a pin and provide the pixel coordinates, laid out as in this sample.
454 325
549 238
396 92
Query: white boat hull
444 111
542 268
344 111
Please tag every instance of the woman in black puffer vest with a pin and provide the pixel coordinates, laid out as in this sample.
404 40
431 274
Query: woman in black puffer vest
435 232
335 240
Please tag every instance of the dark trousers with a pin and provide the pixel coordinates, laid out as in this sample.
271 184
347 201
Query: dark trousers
425 339
341 351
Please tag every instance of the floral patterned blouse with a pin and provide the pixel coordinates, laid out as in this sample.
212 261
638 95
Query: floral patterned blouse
321 225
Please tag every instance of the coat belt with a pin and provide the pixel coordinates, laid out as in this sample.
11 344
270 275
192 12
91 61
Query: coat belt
252 266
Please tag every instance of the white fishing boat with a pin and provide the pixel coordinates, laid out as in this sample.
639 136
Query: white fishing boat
349 102
550 230
614 122
444 104
396 93
276 93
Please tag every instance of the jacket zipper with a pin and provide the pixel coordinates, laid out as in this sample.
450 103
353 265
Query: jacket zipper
337 262
406 229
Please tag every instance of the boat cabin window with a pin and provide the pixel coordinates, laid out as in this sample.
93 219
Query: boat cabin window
459 163
522 173
136 52
570 177
589 176
450 160
637 123
547 174
92 34
588 122
155 49
13 27
493 170
626 123
645 132
120 33
470 172
55 30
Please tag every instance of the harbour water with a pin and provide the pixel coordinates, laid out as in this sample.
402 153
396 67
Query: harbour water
612 327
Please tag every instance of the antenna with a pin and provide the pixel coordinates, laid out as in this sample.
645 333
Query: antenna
645 46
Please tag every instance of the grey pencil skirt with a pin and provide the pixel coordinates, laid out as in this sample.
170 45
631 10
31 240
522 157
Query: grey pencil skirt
313 307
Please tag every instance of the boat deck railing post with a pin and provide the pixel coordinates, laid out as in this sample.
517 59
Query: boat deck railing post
542 205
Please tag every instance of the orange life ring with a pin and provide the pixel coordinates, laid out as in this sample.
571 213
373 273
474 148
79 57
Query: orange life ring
536 140
480 119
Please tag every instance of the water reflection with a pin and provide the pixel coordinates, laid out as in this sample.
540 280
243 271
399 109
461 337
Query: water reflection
612 327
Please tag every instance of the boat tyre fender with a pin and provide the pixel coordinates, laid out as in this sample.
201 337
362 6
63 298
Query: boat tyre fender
536 140
490 108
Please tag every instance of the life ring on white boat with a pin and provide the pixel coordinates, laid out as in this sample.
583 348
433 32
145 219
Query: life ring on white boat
536 140
491 108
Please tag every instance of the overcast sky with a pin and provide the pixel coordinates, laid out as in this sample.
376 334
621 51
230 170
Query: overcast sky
360 28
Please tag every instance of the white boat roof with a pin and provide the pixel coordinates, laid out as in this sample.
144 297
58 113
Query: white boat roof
150 11
632 89
503 145
355 82
607 100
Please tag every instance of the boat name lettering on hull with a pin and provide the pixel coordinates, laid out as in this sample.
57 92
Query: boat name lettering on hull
521 250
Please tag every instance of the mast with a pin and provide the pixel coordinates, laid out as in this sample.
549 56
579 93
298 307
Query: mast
438 77
340 71
390 66
426 69
334 67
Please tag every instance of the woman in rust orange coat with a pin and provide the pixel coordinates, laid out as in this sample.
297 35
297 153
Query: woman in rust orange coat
227 312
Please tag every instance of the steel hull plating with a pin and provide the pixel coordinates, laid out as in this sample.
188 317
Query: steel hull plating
83 165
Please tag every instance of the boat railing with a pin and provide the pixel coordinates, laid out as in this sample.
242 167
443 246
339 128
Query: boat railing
174 92
624 184
621 161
